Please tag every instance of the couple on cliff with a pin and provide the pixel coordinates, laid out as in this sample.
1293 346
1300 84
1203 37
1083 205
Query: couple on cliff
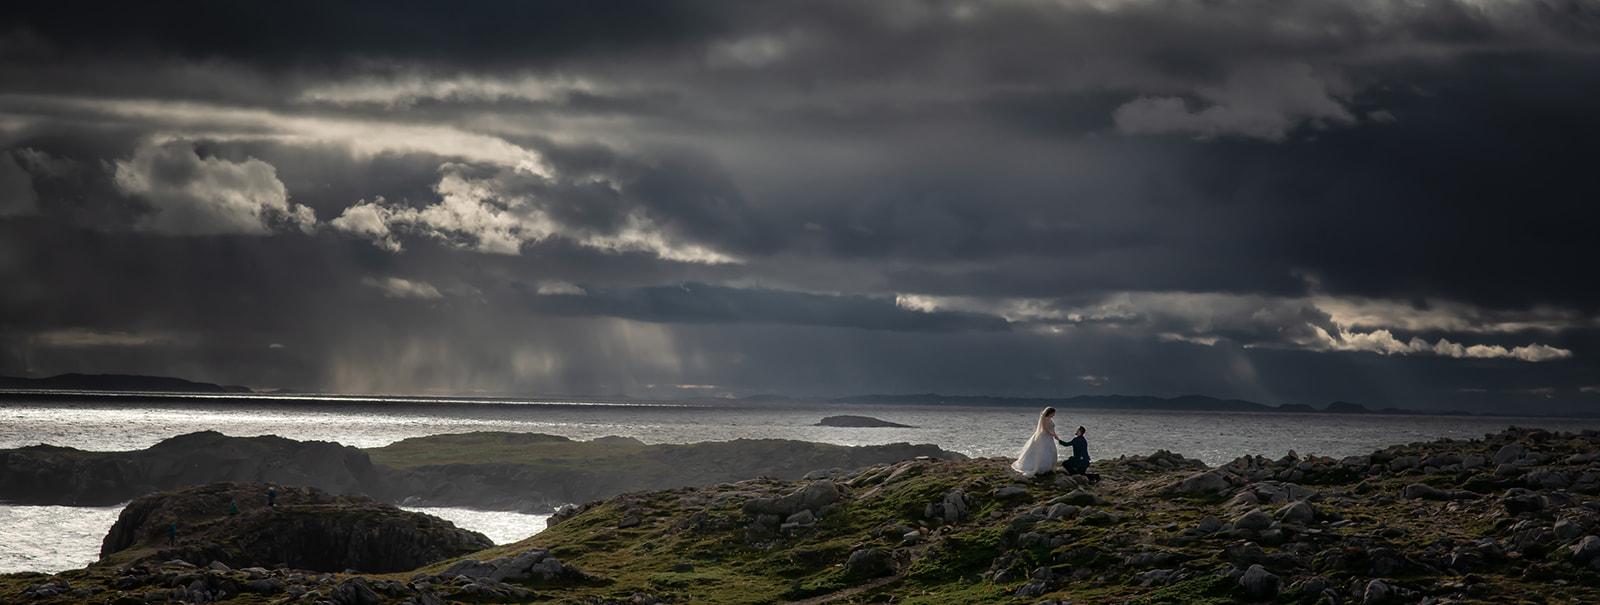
1038 455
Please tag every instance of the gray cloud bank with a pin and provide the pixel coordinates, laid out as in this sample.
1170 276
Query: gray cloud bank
1287 201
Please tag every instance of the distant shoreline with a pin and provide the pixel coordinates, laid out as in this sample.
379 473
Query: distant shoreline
1110 403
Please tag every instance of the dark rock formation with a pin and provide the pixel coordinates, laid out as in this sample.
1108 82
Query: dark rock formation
308 529
847 421
512 471
494 471
44 474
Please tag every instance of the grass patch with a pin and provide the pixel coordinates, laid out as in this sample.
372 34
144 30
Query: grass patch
1204 590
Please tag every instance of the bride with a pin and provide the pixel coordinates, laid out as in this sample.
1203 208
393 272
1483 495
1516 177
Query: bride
1038 456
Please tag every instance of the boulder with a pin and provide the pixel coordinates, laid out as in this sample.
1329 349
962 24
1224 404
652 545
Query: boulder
1566 530
1377 592
1010 491
1209 482
812 496
308 529
1259 583
1062 510
869 563
1510 453
1297 512
1079 497
1255 519
356 591
1586 550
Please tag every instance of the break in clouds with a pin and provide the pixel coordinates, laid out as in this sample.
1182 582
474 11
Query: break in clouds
1288 202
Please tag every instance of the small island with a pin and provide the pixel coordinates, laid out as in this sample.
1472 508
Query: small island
848 421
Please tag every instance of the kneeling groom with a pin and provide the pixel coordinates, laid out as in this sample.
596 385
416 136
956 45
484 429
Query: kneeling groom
1078 463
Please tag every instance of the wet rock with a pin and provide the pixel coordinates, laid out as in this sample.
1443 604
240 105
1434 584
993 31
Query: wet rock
1583 458
1566 530
802 518
1298 512
1547 479
1259 583
1208 525
469 568
1255 519
1509 453
1586 550
1377 592
1518 500
1062 511
1243 499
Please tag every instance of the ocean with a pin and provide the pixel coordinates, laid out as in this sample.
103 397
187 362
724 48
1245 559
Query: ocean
54 538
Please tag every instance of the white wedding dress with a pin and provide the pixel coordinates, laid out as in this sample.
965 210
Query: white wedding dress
1039 454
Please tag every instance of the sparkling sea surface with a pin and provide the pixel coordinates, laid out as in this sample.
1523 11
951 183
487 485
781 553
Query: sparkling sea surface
54 538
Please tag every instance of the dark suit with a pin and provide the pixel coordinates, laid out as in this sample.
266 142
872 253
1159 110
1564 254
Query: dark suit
1078 463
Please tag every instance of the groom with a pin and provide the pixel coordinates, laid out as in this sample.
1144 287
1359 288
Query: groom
1078 462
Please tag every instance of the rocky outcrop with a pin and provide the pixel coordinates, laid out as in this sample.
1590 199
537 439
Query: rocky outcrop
232 524
493 471
537 473
46 474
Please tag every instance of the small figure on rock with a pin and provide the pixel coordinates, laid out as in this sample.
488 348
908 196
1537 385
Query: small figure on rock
272 496
233 507
172 534
1078 462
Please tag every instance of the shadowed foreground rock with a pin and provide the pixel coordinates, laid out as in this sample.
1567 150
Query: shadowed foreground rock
308 529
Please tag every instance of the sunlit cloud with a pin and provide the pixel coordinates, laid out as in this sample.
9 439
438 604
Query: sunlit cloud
396 287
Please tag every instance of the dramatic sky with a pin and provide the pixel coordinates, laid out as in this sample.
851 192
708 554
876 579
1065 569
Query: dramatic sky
1394 203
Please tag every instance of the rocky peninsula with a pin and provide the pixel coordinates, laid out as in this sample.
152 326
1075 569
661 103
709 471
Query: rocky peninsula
487 470
1512 517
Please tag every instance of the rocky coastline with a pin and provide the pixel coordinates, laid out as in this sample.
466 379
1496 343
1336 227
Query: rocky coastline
1513 517
526 472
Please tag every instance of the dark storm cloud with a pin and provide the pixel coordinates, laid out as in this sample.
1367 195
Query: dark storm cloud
1387 202
702 303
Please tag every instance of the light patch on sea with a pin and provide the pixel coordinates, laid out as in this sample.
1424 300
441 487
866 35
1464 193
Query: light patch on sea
501 527
52 538
58 538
